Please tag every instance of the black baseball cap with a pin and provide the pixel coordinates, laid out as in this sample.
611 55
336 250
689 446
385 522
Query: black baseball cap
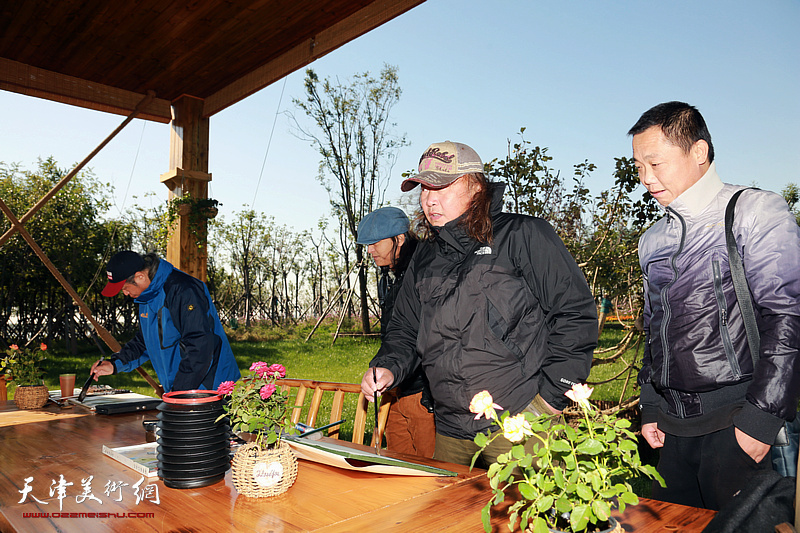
122 266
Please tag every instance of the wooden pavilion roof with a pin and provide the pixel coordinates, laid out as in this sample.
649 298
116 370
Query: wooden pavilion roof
107 54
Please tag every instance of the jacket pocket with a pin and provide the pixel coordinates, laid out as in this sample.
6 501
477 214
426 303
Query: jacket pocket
500 328
168 335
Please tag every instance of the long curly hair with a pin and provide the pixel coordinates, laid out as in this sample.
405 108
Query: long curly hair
476 220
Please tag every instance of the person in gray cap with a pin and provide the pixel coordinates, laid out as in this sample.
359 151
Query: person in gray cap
410 428
491 301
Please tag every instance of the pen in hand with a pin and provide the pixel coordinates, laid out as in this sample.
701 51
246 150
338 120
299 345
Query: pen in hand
375 402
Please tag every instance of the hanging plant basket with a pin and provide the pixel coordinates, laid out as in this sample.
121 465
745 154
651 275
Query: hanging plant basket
263 473
31 396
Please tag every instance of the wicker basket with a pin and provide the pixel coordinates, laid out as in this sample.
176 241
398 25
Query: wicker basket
31 396
260 473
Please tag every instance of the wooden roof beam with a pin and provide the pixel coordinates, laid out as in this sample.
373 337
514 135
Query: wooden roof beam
25 79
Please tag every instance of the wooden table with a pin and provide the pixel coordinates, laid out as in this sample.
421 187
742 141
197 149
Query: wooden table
323 498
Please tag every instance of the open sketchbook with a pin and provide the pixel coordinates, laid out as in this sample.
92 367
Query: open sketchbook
352 459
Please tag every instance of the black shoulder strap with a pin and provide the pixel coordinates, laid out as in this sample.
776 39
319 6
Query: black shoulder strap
740 282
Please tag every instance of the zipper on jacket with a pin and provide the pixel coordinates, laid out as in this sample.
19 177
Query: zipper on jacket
161 333
723 322
667 311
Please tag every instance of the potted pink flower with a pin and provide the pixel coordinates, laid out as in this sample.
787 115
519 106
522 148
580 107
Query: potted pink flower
21 365
256 405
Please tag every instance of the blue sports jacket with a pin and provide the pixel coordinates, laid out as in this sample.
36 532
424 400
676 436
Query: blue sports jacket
180 334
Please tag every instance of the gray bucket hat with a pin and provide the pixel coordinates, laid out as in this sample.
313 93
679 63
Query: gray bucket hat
381 224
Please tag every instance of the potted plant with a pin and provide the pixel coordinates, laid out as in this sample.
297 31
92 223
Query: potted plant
266 466
574 476
21 365
197 212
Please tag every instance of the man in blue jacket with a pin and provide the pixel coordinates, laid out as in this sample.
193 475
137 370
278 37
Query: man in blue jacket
179 329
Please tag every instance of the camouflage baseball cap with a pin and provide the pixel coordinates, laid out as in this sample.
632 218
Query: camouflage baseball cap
442 164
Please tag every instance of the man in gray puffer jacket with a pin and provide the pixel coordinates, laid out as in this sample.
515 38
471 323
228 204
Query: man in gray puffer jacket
713 413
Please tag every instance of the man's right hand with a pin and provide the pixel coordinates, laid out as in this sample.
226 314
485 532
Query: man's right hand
653 435
102 368
385 378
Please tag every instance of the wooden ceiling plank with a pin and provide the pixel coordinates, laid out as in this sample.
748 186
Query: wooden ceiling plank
174 56
283 36
83 24
372 16
10 33
25 79
92 41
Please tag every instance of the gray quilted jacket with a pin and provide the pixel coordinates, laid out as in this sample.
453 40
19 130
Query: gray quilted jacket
698 370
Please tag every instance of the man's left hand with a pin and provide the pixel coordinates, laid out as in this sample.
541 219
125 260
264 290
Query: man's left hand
756 449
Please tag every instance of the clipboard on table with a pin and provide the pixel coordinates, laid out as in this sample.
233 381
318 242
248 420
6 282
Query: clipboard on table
352 459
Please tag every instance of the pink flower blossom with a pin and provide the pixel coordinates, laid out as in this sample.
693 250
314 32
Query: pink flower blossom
267 390
255 366
277 369
43 347
259 367
483 405
14 347
226 387
580 394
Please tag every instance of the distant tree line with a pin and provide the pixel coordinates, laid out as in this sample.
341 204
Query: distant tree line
262 272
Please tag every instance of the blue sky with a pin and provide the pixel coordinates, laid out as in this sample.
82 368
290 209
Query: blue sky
576 74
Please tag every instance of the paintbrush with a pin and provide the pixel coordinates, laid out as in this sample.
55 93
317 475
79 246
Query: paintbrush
375 403
85 388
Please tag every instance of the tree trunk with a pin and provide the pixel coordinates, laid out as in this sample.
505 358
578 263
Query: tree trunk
362 288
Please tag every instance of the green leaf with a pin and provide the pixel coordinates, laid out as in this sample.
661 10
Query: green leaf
584 492
518 451
527 491
601 509
630 498
545 503
560 446
590 447
486 517
540 526
481 439
579 517
563 505
506 472
499 496
558 478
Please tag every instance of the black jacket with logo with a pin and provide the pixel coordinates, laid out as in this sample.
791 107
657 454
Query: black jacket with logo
514 317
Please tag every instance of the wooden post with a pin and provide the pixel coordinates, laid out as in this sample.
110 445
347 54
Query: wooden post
188 162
